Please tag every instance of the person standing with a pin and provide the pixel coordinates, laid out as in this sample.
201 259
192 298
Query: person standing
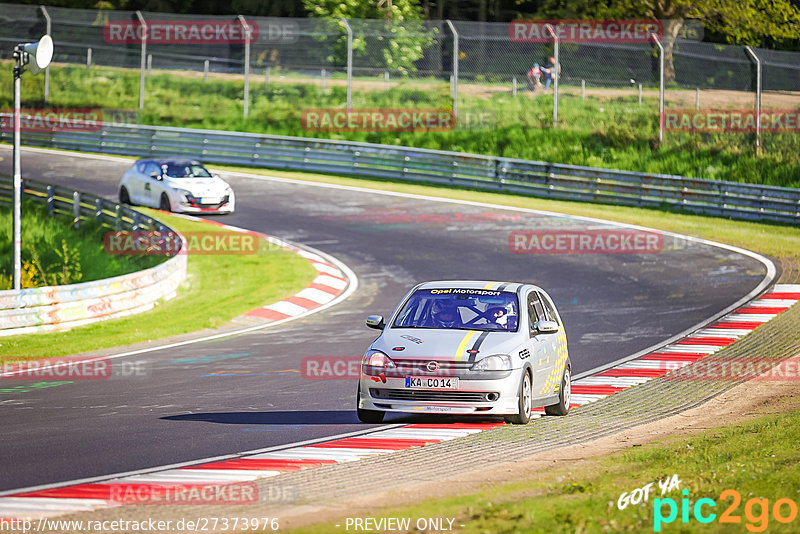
549 73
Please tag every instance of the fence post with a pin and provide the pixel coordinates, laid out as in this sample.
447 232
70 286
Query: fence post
660 87
386 80
455 68
514 85
149 64
88 58
322 76
640 94
47 69
752 53
266 76
76 209
143 59
51 200
697 98
583 90
556 74
349 64
246 28
205 70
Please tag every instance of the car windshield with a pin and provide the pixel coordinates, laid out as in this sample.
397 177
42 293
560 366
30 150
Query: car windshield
459 308
188 170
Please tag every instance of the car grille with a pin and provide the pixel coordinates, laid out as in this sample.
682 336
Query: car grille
423 395
420 366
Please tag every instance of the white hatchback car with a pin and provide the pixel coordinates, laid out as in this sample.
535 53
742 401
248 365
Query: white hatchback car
467 348
176 184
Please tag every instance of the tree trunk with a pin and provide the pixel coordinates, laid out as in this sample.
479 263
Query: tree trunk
671 31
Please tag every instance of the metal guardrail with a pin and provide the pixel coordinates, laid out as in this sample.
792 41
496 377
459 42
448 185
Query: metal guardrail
536 178
61 307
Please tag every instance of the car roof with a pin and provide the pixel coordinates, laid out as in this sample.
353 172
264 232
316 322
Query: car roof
170 161
475 284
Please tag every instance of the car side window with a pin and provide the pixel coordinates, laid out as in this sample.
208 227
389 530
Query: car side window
549 313
141 167
151 168
535 311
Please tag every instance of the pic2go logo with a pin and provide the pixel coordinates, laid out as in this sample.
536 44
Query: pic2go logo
756 511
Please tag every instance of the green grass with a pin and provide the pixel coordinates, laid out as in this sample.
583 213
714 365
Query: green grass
613 133
757 458
218 288
44 238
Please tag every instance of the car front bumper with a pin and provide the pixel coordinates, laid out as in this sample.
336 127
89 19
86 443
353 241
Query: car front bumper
474 396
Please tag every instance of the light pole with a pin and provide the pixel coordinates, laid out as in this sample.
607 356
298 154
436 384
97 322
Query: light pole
41 53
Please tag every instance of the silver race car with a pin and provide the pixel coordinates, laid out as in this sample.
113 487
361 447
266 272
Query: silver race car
176 184
458 347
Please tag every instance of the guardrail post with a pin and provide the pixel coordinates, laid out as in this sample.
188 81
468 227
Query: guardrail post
51 200
205 70
349 64
47 69
660 87
246 28
118 218
454 77
143 58
136 221
752 53
76 209
98 209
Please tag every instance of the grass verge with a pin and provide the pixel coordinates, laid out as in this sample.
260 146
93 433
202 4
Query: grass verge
53 253
776 240
758 459
615 133
218 288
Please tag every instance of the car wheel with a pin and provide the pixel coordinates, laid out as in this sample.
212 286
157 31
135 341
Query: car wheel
164 204
564 394
525 404
368 416
124 197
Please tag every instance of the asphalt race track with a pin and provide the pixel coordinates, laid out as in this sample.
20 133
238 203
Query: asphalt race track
245 392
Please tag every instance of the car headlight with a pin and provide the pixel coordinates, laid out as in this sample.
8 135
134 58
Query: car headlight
496 362
186 194
376 358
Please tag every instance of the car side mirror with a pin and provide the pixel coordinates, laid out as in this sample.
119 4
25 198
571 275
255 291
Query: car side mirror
546 327
155 176
376 322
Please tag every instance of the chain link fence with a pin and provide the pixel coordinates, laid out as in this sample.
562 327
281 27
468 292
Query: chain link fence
464 65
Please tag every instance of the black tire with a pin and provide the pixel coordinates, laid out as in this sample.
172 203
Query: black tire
124 197
368 416
564 394
164 204
525 404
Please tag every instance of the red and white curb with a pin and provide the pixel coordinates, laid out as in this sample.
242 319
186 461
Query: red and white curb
250 466
696 346
330 283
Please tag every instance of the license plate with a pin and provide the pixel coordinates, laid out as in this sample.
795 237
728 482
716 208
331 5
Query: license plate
209 200
430 382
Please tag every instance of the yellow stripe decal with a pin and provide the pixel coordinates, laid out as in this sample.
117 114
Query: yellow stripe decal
462 347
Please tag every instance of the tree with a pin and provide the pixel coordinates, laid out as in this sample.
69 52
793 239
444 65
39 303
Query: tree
401 36
743 22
